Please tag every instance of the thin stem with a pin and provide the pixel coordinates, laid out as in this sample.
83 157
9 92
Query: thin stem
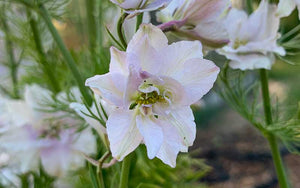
125 172
100 179
13 63
42 55
99 169
290 33
139 20
66 54
94 14
120 30
266 96
282 178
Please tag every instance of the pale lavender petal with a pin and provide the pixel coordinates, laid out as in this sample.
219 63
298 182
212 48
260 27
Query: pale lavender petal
118 61
197 77
155 36
123 134
110 86
151 132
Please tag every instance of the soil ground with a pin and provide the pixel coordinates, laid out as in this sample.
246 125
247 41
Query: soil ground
239 155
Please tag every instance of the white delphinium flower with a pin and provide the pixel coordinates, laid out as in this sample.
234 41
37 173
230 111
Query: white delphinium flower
286 7
31 134
196 19
134 7
152 85
253 39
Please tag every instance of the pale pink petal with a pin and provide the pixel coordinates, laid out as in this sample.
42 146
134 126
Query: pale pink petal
197 77
123 134
154 35
110 86
251 61
176 54
262 24
151 132
132 85
211 33
145 56
118 61
178 135
205 10
183 120
233 23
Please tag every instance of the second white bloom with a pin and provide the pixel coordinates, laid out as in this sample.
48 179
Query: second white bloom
153 84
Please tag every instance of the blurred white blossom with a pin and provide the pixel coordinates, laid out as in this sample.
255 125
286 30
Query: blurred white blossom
31 134
152 85
253 39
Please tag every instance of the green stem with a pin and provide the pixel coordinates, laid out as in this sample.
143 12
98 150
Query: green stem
139 20
120 30
66 54
42 55
13 63
100 179
282 178
266 96
125 172
93 11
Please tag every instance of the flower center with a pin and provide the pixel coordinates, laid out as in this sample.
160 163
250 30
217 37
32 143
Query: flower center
238 43
149 98
149 94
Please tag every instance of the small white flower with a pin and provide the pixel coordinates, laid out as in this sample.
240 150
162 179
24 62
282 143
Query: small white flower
286 7
30 134
152 85
134 7
253 39
197 19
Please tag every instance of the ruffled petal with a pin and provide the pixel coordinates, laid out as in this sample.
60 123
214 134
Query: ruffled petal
183 120
110 86
154 35
179 132
176 54
123 134
118 61
251 61
152 134
197 77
